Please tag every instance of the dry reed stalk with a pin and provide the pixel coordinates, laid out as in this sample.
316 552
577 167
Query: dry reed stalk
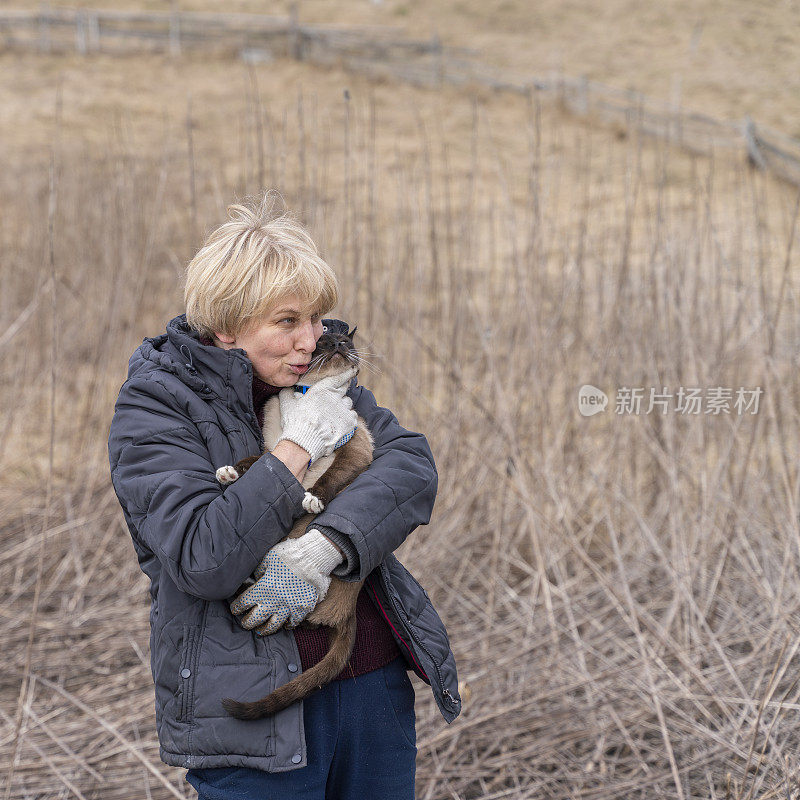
26 689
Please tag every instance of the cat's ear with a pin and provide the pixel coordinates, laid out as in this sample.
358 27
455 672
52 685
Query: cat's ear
352 333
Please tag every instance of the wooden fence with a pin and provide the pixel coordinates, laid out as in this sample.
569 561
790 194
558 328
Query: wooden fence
381 52
91 30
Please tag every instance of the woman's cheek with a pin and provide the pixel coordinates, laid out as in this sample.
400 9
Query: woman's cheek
278 346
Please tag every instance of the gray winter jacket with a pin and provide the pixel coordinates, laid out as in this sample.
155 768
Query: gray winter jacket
185 410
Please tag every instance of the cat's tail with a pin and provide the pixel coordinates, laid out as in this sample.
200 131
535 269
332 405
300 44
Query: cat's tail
341 641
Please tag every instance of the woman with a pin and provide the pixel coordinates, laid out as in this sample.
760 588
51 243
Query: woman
255 296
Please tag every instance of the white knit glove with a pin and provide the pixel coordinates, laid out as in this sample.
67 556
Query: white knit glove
291 579
318 419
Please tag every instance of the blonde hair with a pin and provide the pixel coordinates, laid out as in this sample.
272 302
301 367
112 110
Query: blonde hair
248 264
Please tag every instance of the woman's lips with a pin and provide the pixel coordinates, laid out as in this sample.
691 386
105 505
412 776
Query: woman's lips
298 369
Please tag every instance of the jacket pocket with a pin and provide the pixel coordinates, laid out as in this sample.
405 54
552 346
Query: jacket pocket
400 697
187 671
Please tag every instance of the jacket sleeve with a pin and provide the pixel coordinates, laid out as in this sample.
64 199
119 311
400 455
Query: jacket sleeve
208 541
387 501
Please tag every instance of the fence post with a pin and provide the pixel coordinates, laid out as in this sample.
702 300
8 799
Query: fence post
295 47
676 108
754 154
634 112
438 59
80 31
44 28
561 88
174 30
93 24
583 95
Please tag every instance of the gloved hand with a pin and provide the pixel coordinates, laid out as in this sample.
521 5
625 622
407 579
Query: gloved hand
290 580
318 419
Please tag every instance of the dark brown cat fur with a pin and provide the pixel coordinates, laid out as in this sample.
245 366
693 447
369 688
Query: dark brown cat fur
337 611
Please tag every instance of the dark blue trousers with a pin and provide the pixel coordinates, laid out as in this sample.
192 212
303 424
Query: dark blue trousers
361 742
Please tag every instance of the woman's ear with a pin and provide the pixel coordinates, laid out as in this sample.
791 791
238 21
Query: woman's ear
225 338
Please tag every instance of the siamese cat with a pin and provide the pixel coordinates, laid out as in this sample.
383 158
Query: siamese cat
326 477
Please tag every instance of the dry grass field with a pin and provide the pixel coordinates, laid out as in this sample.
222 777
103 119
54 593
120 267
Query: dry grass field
621 590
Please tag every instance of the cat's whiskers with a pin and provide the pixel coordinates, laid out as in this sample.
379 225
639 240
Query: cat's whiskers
316 367
365 363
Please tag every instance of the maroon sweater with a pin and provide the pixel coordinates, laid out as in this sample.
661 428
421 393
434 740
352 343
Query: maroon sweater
375 646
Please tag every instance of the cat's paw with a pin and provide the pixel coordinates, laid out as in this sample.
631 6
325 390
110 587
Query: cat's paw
227 474
312 503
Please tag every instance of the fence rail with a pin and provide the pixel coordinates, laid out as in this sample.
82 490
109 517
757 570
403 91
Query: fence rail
382 52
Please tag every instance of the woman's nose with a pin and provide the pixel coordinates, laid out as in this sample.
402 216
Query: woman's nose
306 340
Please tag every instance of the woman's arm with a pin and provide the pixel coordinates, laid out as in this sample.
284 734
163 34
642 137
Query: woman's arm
384 504
208 542
293 456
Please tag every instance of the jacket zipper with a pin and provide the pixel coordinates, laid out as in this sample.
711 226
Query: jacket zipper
252 419
445 691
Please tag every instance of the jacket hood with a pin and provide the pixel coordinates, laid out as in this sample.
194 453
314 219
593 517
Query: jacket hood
204 369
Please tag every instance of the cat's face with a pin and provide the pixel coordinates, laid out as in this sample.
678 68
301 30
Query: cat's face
334 354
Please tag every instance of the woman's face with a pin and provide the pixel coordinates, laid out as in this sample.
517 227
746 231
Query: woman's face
280 345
